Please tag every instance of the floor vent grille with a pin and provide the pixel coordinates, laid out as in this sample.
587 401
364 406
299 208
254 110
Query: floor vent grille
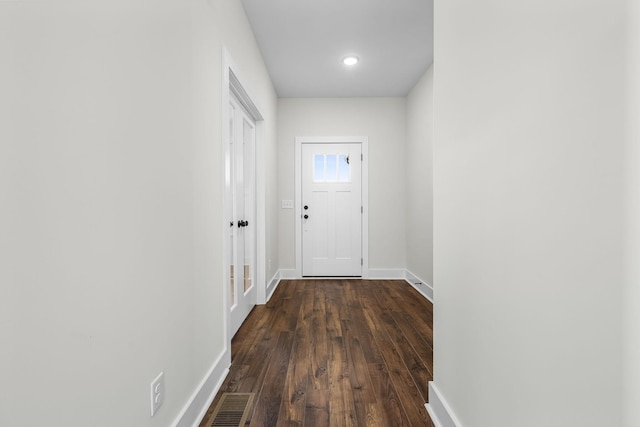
232 410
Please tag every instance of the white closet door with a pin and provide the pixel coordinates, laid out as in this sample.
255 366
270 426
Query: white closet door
241 195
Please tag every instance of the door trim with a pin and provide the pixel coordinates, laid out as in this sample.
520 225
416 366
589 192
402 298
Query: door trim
232 82
364 143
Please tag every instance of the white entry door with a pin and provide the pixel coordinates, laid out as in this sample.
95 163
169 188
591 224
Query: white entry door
331 209
241 205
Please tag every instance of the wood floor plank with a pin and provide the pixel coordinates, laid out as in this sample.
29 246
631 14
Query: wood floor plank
417 342
422 342
419 372
263 343
341 405
248 338
292 408
394 413
289 307
243 335
415 307
367 407
335 353
412 298
369 348
317 404
319 342
316 412
342 411
269 397
333 300
410 396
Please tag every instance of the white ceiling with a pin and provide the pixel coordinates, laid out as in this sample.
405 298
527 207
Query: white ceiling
303 43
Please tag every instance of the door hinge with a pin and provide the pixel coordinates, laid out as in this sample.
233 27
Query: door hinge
361 157
361 261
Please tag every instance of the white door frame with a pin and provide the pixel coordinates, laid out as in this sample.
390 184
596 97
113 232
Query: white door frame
232 82
364 143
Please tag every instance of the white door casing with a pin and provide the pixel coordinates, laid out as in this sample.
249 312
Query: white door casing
331 182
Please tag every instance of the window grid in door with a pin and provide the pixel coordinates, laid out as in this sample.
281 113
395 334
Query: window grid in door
331 168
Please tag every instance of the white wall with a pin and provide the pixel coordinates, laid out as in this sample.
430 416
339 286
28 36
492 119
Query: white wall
632 291
529 174
419 178
383 121
272 258
111 188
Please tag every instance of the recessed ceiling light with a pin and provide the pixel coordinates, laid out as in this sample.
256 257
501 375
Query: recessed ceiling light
350 60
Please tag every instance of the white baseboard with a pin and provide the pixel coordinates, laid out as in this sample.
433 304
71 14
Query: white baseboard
438 409
386 274
420 285
373 273
273 284
197 406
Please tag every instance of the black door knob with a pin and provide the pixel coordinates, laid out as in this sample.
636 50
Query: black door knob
306 217
306 207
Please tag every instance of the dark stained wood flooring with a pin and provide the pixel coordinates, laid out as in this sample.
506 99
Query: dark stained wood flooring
335 353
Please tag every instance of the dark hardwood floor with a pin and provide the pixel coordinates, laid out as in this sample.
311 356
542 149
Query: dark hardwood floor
335 353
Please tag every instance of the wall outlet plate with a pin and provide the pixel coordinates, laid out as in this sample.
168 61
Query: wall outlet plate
157 393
